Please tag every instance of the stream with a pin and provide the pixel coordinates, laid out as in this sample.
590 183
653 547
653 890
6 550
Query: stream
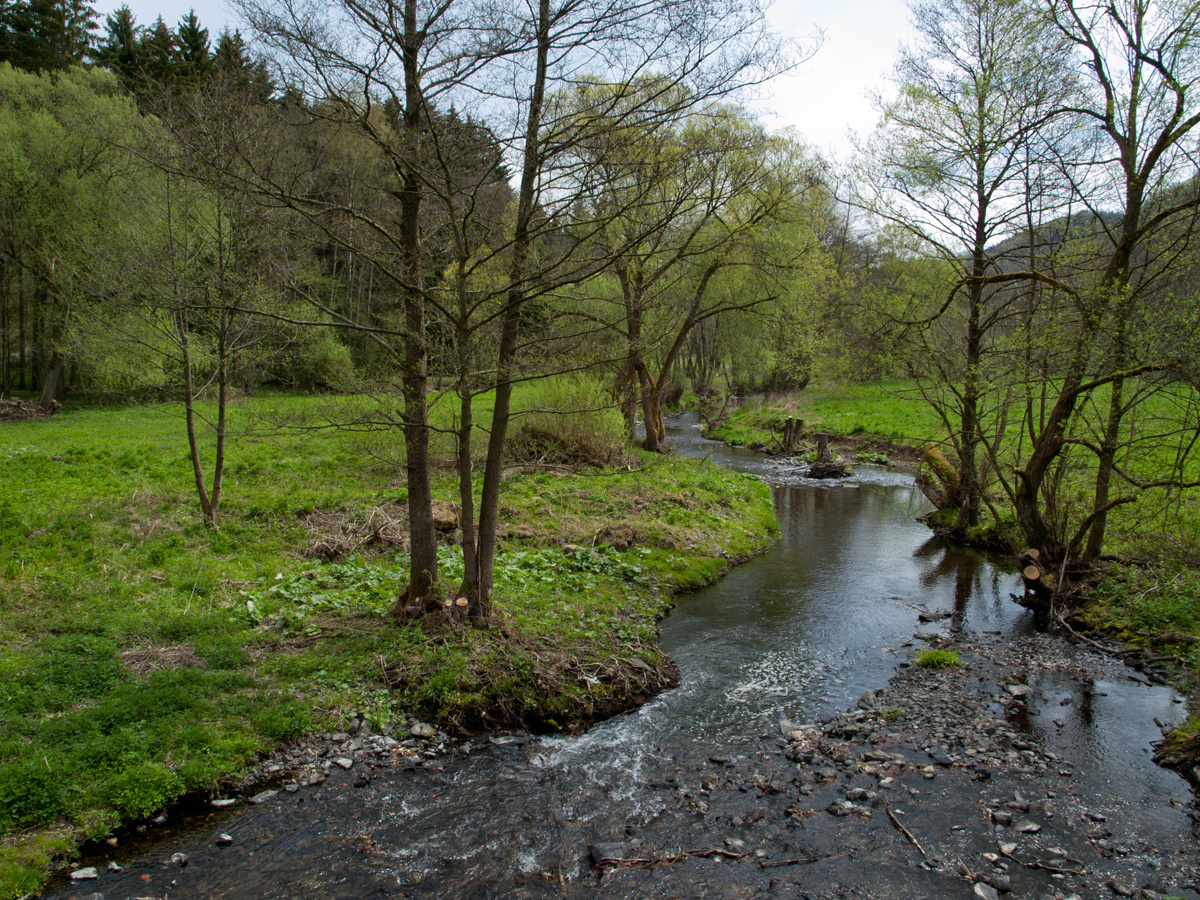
798 633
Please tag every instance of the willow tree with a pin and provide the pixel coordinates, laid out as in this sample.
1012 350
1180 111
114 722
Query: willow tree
1138 97
703 215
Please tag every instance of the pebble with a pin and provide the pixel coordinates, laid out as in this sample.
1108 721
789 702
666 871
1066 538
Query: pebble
985 891
224 840
179 859
422 730
114 866
87 874
264 796
1028 826
225 803
344 761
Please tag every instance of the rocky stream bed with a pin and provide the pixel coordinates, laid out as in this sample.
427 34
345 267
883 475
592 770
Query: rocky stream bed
937 785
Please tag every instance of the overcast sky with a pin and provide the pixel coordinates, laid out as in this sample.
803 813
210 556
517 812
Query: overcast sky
823 99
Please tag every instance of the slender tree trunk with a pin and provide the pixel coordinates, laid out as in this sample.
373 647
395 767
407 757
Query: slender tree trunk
21 327
489 502
423 572
214 506
652 440
5 326
189 408
968 439
466 486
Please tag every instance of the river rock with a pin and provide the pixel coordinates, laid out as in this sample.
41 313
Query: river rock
344 761
1018 690
1028 826
607 851
224 840
867 700
179 859
225 803
985 891
264 796
88 874
422 730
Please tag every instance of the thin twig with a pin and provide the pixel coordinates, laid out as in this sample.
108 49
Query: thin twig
776 864
904 831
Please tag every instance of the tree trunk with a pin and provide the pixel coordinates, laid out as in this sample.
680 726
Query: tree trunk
489 501
189 410
52 384
423 561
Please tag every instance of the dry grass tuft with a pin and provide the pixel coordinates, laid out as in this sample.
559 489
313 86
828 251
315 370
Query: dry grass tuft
336 534
157 659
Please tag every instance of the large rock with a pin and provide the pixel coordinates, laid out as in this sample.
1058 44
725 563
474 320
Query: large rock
446 516
620 536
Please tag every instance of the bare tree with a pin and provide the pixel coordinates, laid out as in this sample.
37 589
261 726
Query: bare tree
949 165
385 69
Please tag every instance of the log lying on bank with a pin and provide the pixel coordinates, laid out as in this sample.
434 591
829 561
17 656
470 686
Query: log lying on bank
826 466
938 479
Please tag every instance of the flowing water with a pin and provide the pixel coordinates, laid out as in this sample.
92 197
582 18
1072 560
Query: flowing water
798 633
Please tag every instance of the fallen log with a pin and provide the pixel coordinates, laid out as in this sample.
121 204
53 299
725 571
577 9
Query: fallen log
1174 637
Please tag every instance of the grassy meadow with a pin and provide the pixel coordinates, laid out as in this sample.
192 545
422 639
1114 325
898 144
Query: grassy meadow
144 655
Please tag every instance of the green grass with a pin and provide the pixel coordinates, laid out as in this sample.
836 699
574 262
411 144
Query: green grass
937 659
143 655
890 410
1144 605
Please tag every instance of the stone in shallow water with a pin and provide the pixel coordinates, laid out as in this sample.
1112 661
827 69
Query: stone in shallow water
985 891
87 874
264 796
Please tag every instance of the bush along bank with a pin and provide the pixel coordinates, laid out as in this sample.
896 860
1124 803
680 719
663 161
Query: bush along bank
144 657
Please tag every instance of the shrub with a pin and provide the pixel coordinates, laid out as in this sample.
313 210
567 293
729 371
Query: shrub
30 793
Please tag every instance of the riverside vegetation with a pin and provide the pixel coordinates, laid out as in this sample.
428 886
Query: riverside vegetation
144 655
1143 593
